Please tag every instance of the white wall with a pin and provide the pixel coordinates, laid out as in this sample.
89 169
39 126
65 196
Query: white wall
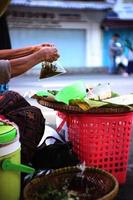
93 36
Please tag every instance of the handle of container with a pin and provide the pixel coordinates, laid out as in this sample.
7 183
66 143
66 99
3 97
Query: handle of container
9 165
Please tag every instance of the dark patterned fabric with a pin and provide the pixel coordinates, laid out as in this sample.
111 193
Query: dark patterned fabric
29 119
11 101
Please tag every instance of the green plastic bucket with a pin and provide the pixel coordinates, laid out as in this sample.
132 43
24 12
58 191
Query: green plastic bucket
10 167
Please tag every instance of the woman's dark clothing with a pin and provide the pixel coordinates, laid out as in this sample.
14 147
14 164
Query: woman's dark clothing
5 42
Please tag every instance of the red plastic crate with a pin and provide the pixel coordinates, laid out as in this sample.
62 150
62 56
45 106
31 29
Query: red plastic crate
102 140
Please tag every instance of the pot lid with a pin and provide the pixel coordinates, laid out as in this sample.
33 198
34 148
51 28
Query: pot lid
7 133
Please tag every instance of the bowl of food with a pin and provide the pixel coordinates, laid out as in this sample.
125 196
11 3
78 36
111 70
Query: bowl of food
73 183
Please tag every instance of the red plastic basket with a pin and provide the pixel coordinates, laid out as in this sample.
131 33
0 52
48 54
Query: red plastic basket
102 140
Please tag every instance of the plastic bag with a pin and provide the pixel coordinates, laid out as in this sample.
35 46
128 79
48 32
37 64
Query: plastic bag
51 69
54 152
74 91
61 124
100 92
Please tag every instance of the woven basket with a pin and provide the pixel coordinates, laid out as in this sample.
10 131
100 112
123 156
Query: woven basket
50 103
102 185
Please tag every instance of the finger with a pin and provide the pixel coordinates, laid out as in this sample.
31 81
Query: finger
47 45
54 58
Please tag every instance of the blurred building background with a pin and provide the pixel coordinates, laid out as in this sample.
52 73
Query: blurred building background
80 30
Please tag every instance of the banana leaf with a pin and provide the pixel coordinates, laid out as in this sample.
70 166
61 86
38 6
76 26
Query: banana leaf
125 100
87 104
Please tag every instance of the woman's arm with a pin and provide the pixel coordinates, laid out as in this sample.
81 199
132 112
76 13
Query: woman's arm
21 65
21 52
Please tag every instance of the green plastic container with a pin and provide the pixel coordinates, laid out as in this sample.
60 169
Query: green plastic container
74 91
10 167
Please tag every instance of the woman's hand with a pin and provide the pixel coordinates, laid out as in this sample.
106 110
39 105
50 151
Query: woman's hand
23 64
47 53
40 46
